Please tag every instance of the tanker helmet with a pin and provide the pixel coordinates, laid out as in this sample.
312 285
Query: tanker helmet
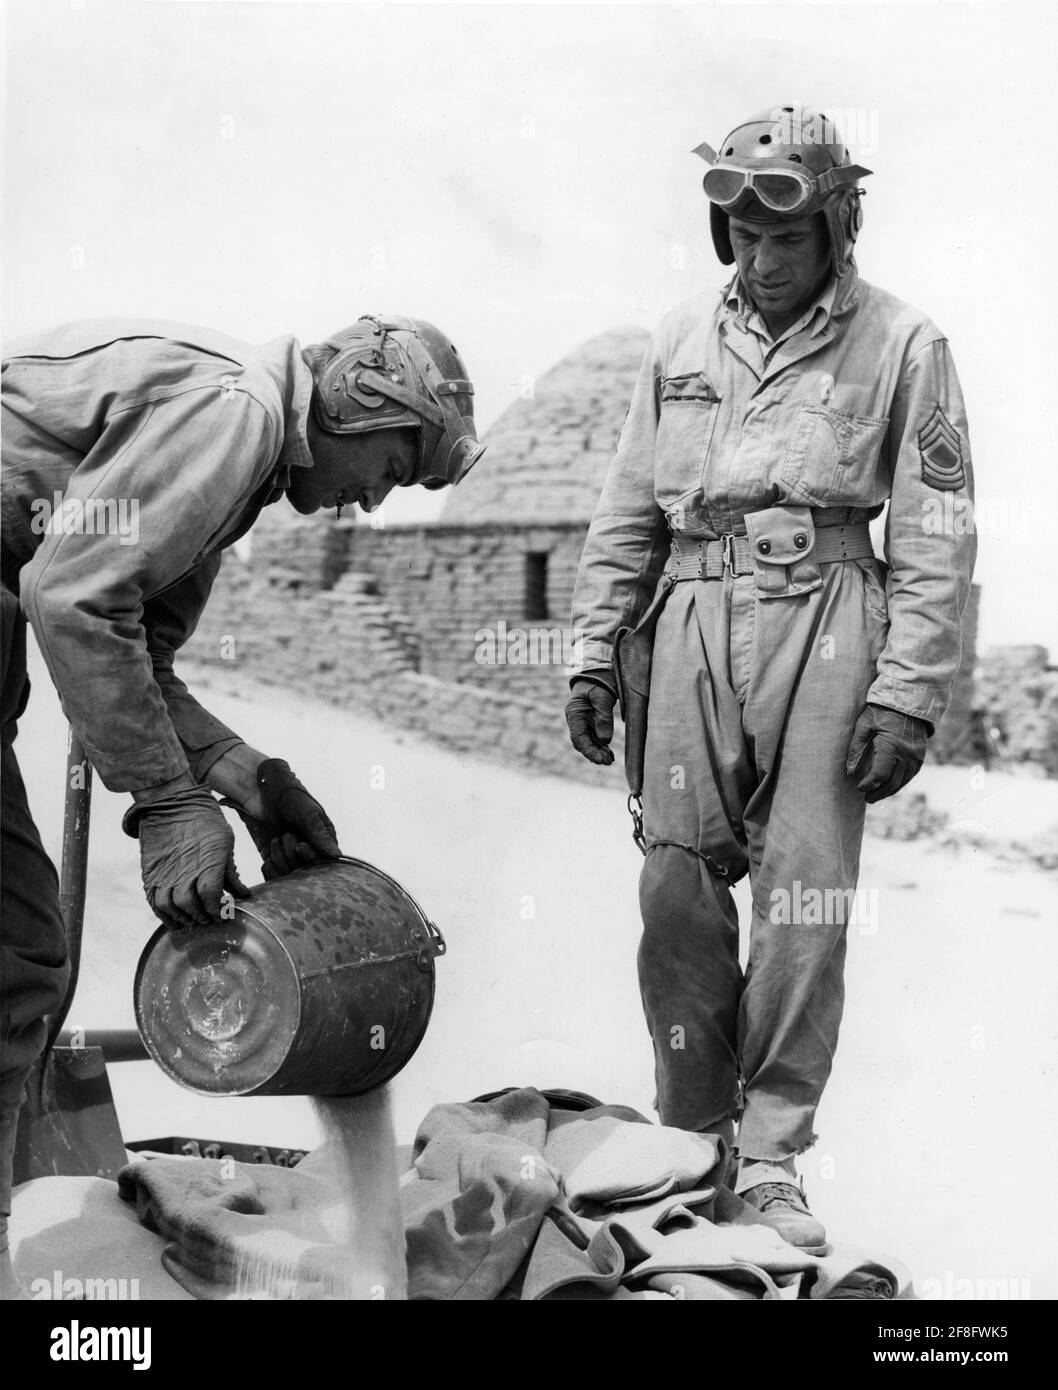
394 373
780 165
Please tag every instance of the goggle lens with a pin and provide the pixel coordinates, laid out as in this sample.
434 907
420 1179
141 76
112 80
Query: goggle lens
724 186
781 192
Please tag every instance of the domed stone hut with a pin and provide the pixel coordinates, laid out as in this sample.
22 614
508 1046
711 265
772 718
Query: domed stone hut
548 453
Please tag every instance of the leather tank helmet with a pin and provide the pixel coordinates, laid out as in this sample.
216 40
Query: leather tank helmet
780 165
396 373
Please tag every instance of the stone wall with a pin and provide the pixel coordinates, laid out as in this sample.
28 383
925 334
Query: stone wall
467 590
395 637
1017 695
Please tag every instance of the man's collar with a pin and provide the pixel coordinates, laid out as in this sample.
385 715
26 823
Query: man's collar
837 295
294 380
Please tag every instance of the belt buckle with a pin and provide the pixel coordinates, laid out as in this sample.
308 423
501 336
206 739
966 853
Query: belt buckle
727 552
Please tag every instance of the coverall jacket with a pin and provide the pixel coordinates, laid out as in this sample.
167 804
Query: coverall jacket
134 452
758 678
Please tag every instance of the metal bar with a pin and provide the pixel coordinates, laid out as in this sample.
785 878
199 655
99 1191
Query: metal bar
117 1044
361 964
74 871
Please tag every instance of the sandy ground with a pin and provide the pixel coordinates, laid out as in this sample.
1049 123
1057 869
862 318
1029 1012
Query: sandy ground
942 1092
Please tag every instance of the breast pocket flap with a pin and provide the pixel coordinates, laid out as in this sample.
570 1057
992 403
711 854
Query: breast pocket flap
694 388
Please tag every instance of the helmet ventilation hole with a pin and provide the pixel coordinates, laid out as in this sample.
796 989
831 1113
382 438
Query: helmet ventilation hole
730 150
765 140
796 159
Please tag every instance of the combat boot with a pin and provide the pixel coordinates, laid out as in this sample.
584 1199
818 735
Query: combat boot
782 1206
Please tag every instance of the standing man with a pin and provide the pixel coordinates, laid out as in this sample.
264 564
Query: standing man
134 453
794 676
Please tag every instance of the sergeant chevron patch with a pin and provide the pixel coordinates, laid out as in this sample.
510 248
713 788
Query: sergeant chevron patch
940 450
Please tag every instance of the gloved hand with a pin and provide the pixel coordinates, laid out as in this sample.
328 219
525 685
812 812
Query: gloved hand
589 715
886 751
294 829
186 856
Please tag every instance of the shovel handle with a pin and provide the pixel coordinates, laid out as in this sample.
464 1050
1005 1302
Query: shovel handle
74 869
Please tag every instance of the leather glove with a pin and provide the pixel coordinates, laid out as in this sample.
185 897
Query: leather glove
295 829
186 856
886 751
589 715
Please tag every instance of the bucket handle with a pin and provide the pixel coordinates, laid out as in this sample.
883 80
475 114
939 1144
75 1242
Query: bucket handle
430 949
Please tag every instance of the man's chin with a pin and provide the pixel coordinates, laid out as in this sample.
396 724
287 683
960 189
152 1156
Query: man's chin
306 506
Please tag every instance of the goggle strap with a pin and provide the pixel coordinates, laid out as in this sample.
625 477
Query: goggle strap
839 177
386 386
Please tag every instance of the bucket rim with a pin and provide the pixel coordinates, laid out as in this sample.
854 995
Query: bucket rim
148 1042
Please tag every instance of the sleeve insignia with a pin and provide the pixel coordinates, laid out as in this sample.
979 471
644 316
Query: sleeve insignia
940 453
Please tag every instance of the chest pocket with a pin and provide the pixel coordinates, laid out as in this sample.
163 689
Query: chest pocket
833 456
687 420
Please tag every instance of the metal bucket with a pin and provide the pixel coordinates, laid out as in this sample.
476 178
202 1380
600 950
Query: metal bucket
322 983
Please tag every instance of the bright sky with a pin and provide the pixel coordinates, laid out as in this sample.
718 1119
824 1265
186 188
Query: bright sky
521 175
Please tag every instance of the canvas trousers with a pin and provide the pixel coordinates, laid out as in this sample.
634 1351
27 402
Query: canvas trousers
752 705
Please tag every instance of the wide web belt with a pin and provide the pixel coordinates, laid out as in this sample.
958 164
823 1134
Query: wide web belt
695 557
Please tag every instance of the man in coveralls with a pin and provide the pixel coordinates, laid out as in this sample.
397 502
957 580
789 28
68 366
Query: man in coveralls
794 677
197 433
